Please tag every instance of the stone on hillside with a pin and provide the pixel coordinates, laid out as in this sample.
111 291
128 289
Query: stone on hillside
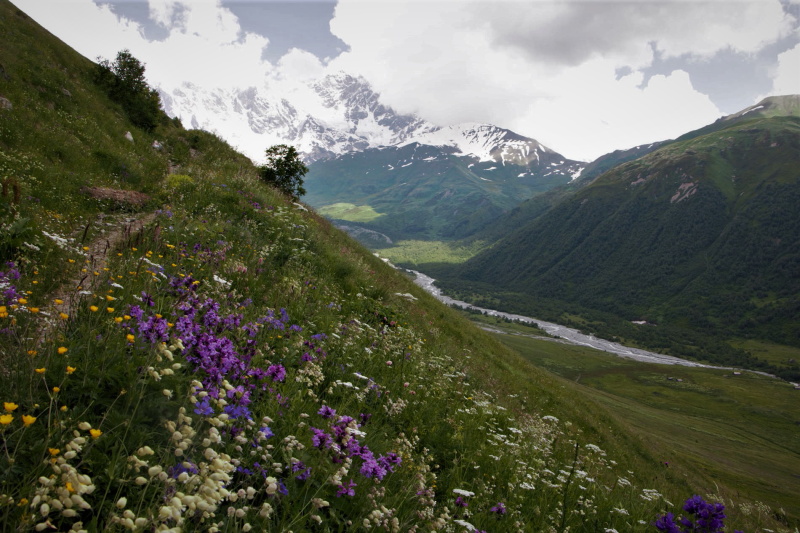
5 103
66 92
129 136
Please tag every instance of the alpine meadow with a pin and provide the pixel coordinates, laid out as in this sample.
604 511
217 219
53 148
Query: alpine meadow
184 347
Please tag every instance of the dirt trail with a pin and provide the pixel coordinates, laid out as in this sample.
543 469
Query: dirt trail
114 230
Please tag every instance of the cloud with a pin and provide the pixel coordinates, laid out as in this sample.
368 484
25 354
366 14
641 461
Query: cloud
205 44
787 76
550 69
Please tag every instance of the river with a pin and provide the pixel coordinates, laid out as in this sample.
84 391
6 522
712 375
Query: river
569 335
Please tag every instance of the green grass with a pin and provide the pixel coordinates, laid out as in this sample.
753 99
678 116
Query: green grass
775 354
417 252
736 432
349 212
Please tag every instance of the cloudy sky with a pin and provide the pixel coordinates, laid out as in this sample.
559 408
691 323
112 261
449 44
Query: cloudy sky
583 77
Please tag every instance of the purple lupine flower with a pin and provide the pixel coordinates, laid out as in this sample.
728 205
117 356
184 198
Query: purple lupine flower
326 412
461 502
266 431
499 509
364 418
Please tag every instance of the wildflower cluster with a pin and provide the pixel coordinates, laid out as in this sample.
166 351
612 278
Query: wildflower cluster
705 517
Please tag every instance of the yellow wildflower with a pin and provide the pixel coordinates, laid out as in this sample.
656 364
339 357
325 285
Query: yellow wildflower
58 301
9 406
95 433
6 419
110 309
62 350
33 309
32 352
40 370
71 369
3 311
63 316
117 319
27 420
56 389
110 298
64 408
93 308
53 451
23 301
130 337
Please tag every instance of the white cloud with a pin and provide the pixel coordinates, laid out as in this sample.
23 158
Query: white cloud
548 69
205 46
787 77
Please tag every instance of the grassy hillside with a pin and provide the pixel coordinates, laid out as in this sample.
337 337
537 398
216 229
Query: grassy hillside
214 357
422 192
699 237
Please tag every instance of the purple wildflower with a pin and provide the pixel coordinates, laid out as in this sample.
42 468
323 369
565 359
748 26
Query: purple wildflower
320 439
347 490
276 372
203 407
326 412
499 509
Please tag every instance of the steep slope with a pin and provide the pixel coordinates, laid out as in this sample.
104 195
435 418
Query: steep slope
444 184
702 233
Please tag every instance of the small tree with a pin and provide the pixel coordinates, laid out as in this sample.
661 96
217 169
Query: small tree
284 170
125 83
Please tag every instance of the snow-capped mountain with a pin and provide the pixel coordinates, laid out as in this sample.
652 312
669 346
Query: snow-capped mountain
334 115
484 141
338 114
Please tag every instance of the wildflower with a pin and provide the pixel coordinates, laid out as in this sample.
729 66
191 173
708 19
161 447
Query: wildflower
58 301
33 309
32 352
53 451
56 389
64 408
71 369
22 301
40 370
27 420
62 350
110 309
9 406
499 509
63 316
3 311
95 433
326 412
110 298
93 308
6 419
117 319
130 337
347 490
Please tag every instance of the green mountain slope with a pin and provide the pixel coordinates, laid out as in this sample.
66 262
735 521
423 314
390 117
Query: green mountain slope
702 234
427 192
181 347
